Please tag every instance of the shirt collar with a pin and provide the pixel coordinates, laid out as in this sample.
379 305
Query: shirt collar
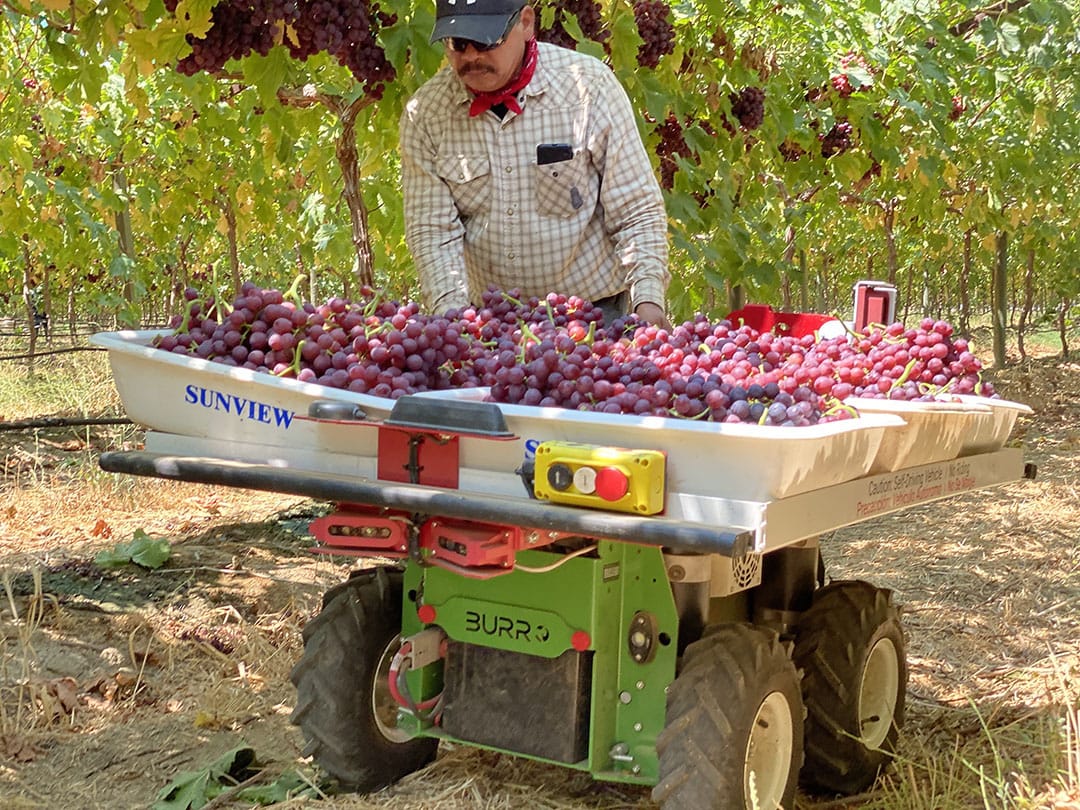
537 87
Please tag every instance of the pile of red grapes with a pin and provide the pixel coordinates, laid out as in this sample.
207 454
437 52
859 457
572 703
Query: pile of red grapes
559 352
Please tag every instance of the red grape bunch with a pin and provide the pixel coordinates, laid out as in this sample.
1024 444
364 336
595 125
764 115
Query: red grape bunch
237 28
958 108
837 140
653 18
589 21
671 143
748 105
841 82
345 29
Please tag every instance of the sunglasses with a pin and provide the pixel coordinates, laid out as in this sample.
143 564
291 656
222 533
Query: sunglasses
459 44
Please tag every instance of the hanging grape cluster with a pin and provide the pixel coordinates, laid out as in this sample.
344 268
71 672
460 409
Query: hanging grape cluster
671 144
653 18
841 82
348 30
748 105
587 13
837 140
958 108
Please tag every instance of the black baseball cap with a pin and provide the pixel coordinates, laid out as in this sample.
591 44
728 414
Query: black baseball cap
482 21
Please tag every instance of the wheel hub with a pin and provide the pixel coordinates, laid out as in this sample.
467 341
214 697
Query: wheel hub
383 706
768 753
877 697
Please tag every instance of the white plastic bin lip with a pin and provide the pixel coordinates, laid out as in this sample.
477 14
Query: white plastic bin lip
138 343
904 406
989 402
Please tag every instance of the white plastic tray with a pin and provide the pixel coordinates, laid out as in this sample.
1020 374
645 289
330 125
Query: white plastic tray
990 434
193 397
934 431
189 397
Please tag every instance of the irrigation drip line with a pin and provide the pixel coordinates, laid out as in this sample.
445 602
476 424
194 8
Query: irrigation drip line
61 421
67 350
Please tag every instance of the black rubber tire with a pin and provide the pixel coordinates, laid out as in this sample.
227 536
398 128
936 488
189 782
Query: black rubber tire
849 625
337 681
732 683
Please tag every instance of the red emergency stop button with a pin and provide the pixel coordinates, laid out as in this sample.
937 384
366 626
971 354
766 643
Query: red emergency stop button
611 483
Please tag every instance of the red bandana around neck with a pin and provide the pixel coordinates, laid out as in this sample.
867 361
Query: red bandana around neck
508 94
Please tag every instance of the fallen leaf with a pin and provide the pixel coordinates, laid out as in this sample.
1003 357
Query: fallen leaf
204 719
66 690
101 529
18 748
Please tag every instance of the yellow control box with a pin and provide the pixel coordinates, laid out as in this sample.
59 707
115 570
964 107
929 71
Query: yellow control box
600 477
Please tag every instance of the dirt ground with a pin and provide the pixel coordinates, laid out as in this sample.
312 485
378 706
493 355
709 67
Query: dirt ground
113 683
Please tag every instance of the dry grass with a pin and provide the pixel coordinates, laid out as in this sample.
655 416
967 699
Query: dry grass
112 684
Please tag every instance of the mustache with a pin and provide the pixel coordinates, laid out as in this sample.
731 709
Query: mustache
475 67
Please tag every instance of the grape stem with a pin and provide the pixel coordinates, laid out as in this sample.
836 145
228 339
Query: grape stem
294 366
293 293
907 373
840 407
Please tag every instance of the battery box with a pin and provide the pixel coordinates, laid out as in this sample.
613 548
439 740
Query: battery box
521 703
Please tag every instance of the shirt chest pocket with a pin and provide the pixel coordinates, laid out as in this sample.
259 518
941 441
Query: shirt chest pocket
469 180
561 187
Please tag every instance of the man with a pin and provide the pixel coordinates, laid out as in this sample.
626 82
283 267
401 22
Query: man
522 167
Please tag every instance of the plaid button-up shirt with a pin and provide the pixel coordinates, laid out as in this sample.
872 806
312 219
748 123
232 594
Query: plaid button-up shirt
479 210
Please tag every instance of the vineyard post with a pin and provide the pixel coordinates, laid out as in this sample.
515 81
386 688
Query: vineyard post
1029 300
804 282
965 274
28 298
1063 326
127 239
999 298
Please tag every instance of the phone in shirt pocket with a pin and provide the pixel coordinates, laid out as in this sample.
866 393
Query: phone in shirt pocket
561 179
547 153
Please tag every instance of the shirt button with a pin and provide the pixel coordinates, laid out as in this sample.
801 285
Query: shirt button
509 169
509 255
509 212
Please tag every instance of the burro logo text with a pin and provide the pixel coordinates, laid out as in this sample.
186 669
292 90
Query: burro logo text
240 407
500 626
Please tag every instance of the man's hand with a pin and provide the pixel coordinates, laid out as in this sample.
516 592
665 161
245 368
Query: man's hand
651 313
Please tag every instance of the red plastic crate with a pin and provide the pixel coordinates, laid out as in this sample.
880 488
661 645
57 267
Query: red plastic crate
764 318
